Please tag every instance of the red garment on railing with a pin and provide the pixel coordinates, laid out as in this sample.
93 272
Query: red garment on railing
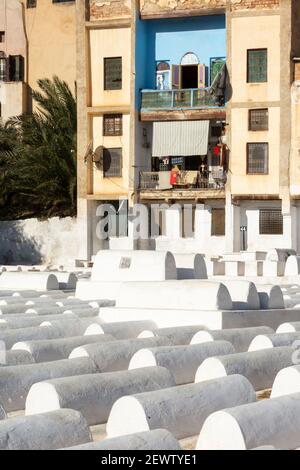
173 177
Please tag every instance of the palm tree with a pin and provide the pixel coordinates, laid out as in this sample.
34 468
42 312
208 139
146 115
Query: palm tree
40 150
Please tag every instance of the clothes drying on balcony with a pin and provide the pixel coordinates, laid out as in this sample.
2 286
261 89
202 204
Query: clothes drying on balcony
185 138
220 85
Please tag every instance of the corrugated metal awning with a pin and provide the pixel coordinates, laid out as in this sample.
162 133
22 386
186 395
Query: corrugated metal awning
180 138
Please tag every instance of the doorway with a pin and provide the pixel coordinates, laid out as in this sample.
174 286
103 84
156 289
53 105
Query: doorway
189 76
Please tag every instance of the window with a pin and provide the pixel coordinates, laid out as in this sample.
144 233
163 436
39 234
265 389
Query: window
16 68
112 124
31 3
112 162
2 36
270 222
216 131
257 158
258 119
163 75
218 222
113 73
2 69
257 65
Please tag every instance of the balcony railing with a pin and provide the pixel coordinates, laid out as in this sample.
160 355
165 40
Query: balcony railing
160 180
179 99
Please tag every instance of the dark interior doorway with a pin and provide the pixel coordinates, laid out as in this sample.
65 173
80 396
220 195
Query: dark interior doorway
189 76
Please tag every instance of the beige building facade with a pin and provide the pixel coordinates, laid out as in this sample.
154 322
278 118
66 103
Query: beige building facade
140 66
243 185
37 40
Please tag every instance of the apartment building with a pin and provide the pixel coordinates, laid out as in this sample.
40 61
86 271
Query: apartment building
37 40
190 103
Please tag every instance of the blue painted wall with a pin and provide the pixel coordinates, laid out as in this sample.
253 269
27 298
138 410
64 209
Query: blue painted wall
171 39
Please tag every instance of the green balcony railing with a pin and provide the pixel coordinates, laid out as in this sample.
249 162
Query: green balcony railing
178 99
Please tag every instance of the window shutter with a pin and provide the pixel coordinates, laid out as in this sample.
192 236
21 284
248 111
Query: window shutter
112 163
201 76
19 68
176 72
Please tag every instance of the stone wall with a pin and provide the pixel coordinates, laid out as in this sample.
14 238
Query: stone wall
105 9
183 7
254 4
32 242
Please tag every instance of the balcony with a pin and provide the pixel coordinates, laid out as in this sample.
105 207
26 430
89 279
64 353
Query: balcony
164 105
178 99
189 184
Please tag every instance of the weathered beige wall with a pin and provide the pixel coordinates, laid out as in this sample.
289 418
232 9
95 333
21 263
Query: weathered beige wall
51 34
109 9
12 95
11 21
187 7
241 183
295 143
13 99
115 185
106 43
255 33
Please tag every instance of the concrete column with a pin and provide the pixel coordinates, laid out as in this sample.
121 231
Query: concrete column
83 220
173 222
83 229
289 225
229 224
202 224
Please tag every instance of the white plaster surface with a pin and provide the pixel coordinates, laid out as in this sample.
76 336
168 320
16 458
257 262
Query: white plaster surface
47 431
240 338
129 265
159 439
269 422
16 381
180 410
94 395
188 294
181 361
259 367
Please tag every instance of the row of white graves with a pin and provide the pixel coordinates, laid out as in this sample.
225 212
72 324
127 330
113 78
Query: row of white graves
152 383
154 355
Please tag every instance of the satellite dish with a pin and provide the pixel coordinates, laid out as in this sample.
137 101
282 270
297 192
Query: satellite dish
98 156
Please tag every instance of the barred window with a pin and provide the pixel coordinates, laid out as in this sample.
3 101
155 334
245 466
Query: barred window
258 119
31 3
113 73
2 36
270 222
258 158
218 222
112 125
3 63
112 162
16 68
257 65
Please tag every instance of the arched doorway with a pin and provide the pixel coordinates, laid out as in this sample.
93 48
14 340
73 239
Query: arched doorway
192 72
